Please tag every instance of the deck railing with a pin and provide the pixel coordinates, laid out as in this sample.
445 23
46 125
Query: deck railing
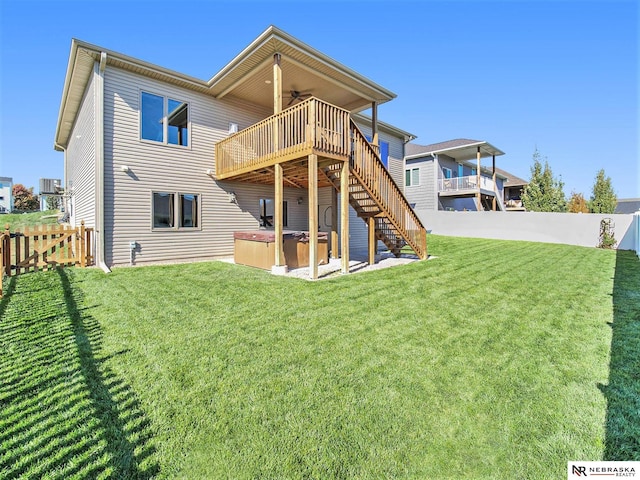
373 174
456 184
312 125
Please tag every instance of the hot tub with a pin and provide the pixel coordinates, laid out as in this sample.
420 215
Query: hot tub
257 248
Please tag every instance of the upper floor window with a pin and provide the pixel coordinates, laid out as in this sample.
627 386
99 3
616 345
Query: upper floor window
164 120
446 172
412 177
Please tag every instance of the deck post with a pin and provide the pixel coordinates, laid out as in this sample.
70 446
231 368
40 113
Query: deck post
478 193
278 214
495 186
313 217
334 223
371 224
344 216
277 84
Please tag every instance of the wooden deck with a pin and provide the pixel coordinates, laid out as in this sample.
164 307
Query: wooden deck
316 130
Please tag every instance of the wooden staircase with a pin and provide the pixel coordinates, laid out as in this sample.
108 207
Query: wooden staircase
373 193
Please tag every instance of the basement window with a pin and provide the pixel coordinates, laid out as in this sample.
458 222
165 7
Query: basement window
173 210
164 120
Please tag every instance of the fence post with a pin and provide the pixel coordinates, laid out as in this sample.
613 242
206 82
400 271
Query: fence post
83 245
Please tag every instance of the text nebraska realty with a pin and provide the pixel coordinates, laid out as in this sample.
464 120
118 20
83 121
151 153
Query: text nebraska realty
604 471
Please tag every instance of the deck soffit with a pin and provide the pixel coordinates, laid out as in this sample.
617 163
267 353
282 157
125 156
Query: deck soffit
303 69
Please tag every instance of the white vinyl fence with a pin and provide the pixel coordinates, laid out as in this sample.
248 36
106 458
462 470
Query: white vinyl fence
568 228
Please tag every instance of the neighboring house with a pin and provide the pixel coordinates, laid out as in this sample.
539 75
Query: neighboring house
6 194
449 176
170 166
512 193
628 205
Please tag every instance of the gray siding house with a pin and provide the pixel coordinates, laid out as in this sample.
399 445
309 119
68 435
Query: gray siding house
450 176
139 145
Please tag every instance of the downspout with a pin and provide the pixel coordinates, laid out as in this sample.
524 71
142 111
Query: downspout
436 167
99 132
65 198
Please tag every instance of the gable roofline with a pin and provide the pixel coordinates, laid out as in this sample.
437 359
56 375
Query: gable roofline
274 40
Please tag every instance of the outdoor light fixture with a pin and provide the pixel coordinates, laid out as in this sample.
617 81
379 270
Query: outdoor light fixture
209 172
125 169
300 200
232 197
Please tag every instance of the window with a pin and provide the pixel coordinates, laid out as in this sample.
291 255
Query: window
164 120
412 177
176 210
446 172
267 210
163 216
188 210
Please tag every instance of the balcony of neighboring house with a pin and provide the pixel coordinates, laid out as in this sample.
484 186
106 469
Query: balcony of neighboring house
466 185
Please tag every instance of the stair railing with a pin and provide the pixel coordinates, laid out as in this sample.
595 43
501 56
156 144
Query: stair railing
368 166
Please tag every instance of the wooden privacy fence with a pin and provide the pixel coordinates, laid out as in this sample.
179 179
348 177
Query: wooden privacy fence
44 247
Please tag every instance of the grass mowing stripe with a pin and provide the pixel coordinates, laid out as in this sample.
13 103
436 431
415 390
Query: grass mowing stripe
490 353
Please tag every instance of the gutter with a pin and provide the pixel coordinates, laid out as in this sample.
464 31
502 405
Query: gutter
99 132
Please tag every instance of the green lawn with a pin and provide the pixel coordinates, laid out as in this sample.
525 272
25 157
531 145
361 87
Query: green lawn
18 221
494 360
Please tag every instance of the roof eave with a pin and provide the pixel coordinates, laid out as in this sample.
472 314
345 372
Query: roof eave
273 33
497 151
386 126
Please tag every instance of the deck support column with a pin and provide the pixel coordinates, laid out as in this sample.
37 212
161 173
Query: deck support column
280 266
344 216
277 85
495 186
478 193
313 217
371 226
334 223
278 220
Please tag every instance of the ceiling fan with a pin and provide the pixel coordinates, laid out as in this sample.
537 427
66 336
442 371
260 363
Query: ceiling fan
298 95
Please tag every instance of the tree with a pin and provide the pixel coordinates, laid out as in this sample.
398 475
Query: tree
53 202
543 193
577 203
24 198
603 199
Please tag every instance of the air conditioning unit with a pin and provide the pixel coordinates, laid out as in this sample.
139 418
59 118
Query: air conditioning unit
50 186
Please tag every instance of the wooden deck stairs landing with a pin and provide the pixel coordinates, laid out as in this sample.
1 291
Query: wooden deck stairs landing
373 193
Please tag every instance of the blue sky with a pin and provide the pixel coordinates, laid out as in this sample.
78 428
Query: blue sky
559 76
